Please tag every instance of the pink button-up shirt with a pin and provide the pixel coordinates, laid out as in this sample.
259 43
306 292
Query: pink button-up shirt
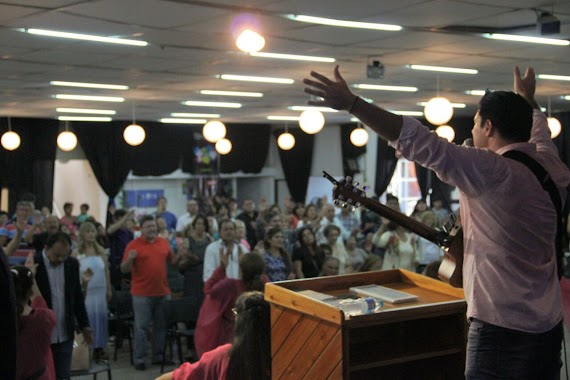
509 224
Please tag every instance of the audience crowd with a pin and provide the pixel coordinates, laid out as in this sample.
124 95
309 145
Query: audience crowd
208 255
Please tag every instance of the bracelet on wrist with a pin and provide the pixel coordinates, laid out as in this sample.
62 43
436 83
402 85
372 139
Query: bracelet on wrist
353 104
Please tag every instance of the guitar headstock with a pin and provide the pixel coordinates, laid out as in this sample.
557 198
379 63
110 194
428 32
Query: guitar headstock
346 192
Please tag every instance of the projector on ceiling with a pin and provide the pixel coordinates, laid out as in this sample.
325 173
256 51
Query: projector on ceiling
547 24
375 70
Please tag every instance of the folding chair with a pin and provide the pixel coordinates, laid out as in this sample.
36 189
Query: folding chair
183 310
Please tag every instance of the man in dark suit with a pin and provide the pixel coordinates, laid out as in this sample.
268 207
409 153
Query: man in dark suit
58 279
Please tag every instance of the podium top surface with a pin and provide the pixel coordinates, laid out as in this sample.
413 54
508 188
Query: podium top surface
433 296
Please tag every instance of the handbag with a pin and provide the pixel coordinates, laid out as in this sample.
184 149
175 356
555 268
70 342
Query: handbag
80 359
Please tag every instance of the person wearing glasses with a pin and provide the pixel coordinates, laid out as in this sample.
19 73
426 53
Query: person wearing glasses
247 358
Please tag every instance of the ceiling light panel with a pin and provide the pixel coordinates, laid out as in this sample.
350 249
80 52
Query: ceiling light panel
529 39
365 86
554 77
182 121
90 98
248 78
293 57
198 103
85 110
454 70
89 85
84 118
344 23
232 93
309 108
86 37
454 105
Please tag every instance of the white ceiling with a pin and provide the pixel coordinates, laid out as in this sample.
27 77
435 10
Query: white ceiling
191 42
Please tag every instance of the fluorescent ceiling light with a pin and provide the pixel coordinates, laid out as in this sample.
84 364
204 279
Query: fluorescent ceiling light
293 57
310 108
89 85
232 93
442 69
344 23
84 118
86 37
248 78
407 113
89 97
191 115
554 77
284 118
182 121
567 97
365 86
533 40
475 92
454 105
197 103
85 110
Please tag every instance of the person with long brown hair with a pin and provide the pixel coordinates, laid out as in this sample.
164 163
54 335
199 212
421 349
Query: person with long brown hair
248 358
278 265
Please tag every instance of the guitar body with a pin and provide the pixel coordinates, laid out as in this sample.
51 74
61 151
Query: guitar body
451 268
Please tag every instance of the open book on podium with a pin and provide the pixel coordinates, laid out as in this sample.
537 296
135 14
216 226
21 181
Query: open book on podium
385 294
419 339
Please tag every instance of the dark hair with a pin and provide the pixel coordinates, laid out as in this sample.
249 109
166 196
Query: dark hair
67 204
328 229
300 236
369 263
146 218
85 206
250 355
119 213
325 247
268 235
23 280
60 237
205 219
510 113
225 221
252 267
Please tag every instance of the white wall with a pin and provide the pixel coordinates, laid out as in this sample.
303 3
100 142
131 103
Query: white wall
75 182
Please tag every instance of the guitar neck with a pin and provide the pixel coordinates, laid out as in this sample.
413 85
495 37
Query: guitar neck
405 221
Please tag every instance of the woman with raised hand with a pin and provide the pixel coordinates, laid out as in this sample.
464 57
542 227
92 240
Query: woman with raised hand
216 320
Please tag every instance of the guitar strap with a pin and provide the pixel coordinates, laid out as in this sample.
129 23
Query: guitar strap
550 187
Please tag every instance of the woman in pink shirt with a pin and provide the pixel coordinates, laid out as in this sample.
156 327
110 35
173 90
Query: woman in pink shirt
233 362
35 324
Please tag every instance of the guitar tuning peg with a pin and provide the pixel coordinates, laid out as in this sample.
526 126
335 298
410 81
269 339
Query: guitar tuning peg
352 209
348 179
336 202
356 183
344 205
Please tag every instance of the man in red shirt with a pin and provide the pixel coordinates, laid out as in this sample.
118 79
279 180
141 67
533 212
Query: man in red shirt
146 258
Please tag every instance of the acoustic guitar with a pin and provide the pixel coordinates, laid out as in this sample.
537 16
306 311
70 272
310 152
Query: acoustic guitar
348 194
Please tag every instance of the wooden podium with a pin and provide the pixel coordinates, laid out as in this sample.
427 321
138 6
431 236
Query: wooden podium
423 339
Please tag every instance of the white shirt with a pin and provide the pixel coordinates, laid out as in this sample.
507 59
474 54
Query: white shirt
212 260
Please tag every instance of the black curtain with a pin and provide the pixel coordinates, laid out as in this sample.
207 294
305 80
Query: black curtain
296 163
350 152
30 168
162 150
250 145
110 157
